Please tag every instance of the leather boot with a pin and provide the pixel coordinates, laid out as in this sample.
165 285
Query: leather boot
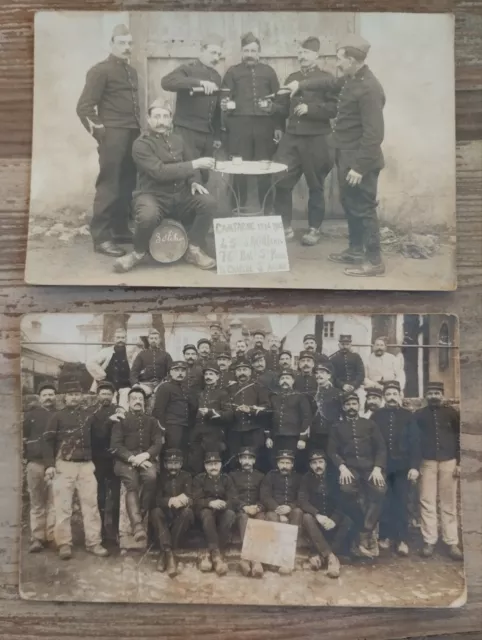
257 570
205 565
171 566
134 513
245 567
333 566
220 566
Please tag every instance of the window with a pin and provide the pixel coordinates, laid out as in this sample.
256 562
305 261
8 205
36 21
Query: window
444 347
329 329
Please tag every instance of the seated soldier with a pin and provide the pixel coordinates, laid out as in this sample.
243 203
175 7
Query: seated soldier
314 500
168 185
279 494
213 416
136 443
247 483
214 503
172 515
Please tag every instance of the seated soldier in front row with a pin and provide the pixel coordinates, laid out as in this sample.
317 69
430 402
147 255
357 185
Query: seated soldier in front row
167 185
172 515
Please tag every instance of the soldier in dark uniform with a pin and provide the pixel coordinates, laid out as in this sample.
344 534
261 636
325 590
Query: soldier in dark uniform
247 482
439 428
258 344
194 381
151 365
136 443
173 515
102 420
261 375
249 401
168 185
358 131
357 448
251 130
215 504
402 441
373 402
218 341
310 345
291 417
175 407
328 400
305 381
348 367
285 360
304 147
204 351
214 415
226 376
41 508
109 109
241 350
272 356
319 516
279 494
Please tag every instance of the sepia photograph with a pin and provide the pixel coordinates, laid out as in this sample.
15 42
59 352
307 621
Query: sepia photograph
257 459
303 150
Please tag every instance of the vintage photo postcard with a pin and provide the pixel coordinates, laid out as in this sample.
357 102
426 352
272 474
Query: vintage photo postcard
267 150
260 459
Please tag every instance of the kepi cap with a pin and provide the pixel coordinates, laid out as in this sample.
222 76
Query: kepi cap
247 451
373 391
189 346
178 364
391 384
173 454
285 453
435 386
105 384
312 43
249 38
120 30
317 455
354 41
46 385
212 456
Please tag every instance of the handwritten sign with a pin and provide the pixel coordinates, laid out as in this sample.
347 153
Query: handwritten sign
250 245
270 543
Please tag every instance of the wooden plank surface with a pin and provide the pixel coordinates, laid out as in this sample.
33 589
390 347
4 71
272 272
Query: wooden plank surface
71 621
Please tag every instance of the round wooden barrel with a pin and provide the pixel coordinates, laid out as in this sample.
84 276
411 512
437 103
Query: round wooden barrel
168 242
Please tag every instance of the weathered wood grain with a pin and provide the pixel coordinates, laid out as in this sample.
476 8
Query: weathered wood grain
71 621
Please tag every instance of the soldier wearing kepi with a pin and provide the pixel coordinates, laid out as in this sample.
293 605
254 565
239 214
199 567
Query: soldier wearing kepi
328 411
198 114
151 365
194 380
272 357
68 462
285 360
247 482
357 448
168 185
175 406
279 494
173 515
213 417
261 374
373 401
402 441
226 375
319 516
251 130
310 345
41 508
218 341
136 444
109 110
304 147
348 367
204 351
358 131
305 381
214 502
259 337
439 427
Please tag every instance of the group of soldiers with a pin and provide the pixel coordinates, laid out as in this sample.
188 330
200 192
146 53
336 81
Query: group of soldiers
309 124
221 437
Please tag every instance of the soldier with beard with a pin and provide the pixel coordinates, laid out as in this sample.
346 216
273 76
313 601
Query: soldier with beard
218 342
328 412
194 380
264 377
173 515
214 414
151 365
247 482
258 344
226 376
401 436
42 514
373 402
348 367
439 427
357 448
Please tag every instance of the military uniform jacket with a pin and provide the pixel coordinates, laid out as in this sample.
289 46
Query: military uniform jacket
401 435
34 426
348 369
291 415
150 365
247 485
109 96
197 112
267 379
67 436
136 433
328 409
164 163
277 489
226 380
439 433
194 380
250 353
358 125
207 488
101 431
249 83
306 383
253 395
313 496
172 486
220 412
219 346
173 405
272 360
322 105
358 444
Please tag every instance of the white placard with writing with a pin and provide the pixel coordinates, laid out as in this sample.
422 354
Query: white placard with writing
270 543
250 245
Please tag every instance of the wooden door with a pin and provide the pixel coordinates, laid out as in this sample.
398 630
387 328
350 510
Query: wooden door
164 40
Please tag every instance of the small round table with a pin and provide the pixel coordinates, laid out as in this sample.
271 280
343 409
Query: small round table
249 168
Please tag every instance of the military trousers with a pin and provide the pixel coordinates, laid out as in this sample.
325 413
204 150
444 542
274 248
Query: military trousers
217 526
295 516
107 483
171 525
394 515
42 510
325 542
140 481
362 500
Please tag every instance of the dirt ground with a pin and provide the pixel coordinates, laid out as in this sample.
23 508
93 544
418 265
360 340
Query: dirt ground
51 261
